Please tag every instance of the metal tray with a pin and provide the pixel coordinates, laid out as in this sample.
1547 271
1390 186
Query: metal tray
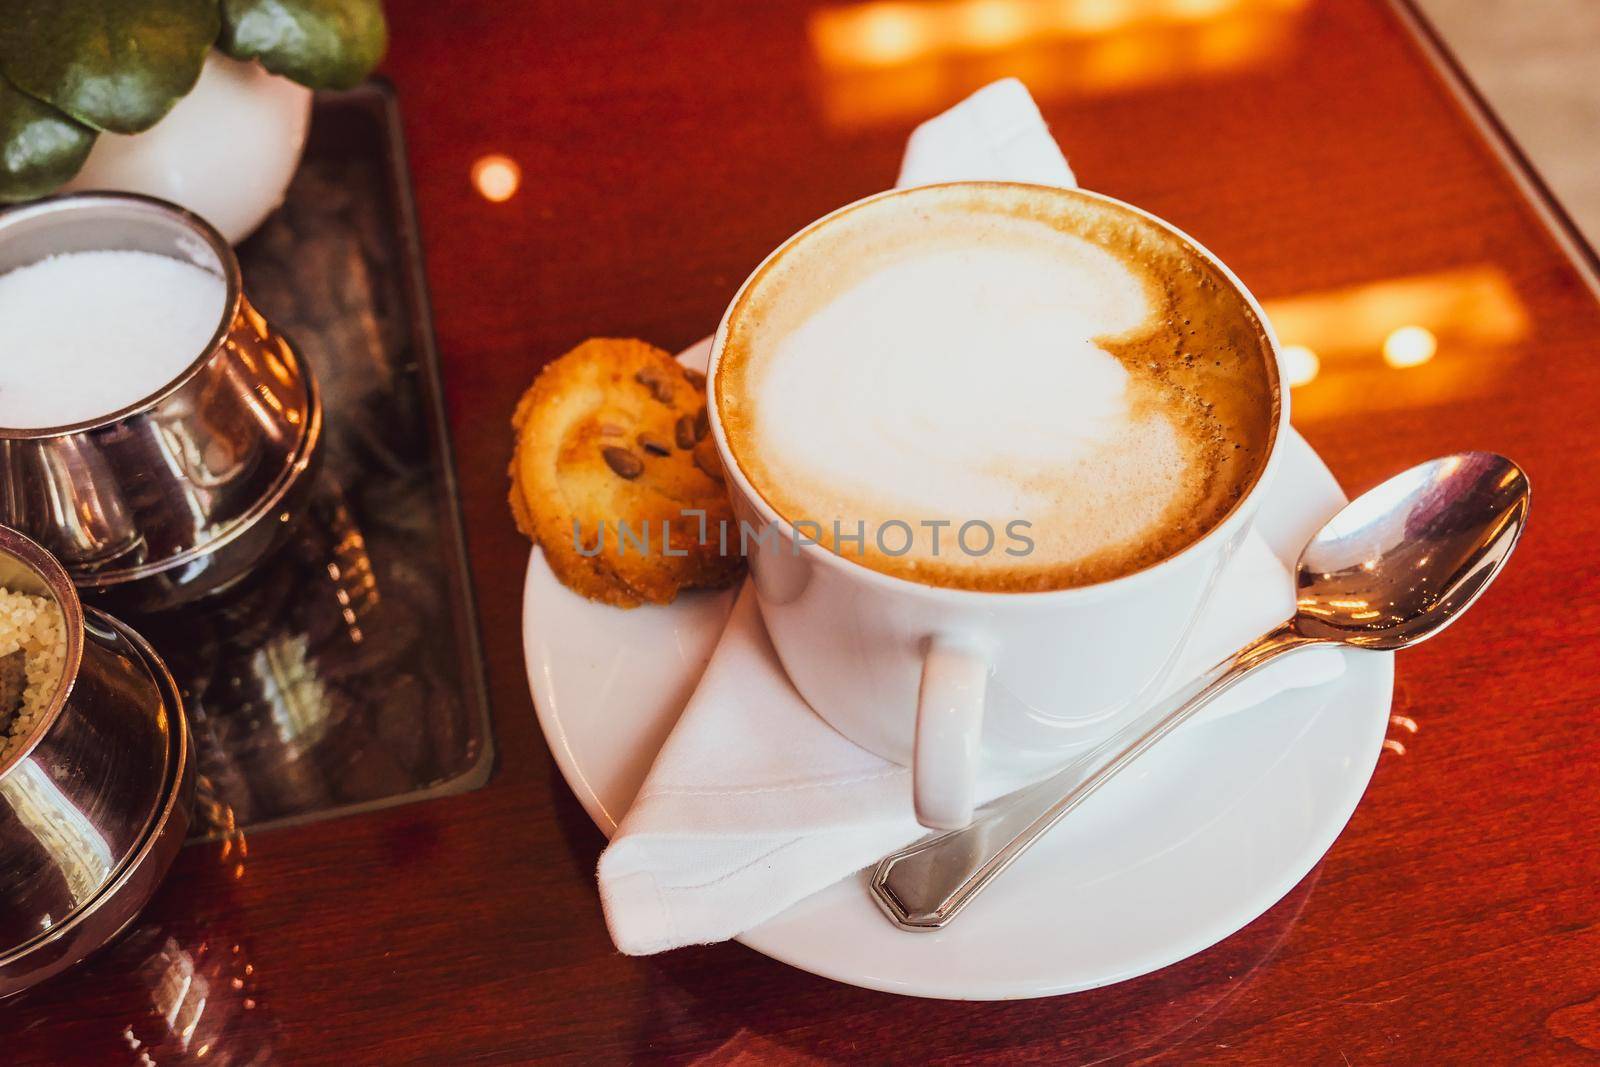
344 674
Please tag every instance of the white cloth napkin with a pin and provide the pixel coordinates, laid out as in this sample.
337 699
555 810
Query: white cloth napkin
754 802
995 134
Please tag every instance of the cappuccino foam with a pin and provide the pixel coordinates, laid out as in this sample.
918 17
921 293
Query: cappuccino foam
982 355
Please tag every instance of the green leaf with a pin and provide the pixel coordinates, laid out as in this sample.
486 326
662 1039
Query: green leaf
112 64
323 44
40 148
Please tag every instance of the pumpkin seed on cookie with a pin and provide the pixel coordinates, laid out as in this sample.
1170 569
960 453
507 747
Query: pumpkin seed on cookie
622 462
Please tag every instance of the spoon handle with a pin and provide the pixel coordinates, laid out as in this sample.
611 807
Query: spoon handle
925 885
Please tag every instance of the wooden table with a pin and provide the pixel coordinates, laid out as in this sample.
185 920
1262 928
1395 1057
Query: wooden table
1321 151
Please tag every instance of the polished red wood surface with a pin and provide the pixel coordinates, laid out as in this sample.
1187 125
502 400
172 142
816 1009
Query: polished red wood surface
664 148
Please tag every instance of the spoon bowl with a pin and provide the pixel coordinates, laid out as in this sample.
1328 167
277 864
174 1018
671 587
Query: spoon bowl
1402 561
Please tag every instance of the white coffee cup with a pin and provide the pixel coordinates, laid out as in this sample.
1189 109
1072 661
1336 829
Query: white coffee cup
949 681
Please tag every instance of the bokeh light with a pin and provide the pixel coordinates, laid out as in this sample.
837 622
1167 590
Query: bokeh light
1409 346
496 177
1300 364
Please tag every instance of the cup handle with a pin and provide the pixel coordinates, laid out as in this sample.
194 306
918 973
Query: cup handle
944 769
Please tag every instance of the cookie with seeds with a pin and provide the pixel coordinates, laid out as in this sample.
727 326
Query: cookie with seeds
611 451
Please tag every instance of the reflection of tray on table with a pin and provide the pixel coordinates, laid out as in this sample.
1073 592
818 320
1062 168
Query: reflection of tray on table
345 673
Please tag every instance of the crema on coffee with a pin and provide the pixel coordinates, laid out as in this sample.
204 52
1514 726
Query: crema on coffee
996 386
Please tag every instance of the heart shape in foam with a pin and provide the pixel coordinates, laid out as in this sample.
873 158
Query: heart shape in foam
1068 376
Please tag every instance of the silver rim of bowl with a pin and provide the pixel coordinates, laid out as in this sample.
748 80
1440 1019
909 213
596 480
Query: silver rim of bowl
227 265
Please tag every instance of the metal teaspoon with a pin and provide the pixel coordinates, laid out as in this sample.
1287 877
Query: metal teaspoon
1392 568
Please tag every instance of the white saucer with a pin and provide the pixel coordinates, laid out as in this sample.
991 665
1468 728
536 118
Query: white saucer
1207 832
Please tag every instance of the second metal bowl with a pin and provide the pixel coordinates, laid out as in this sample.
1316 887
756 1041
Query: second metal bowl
95 801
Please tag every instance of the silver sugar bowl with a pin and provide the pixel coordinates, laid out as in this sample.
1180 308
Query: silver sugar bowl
95 798
178 495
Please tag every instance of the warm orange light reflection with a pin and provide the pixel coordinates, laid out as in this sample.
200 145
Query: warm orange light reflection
1409 346
1451 331
891 60
896 31
1474 304
1300 365
496 177
885 33
997 23
1198 9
